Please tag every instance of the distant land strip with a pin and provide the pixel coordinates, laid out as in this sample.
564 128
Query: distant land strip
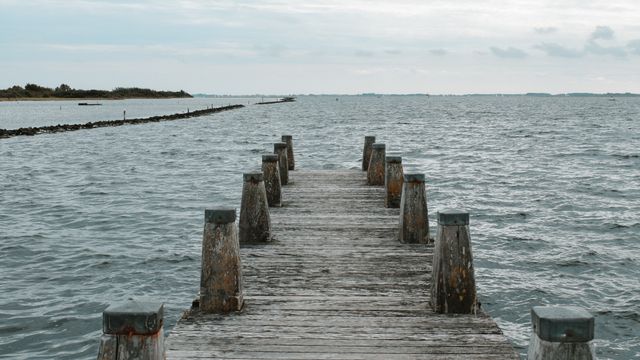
30 131
65 92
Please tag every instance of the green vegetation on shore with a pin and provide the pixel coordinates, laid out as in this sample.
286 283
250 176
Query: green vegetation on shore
64 91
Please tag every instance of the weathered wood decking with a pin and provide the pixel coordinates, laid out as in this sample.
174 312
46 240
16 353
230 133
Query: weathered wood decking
336 284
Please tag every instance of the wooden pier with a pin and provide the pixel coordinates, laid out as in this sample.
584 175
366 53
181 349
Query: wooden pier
335 283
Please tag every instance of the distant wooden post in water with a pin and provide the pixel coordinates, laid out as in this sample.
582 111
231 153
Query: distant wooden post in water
288 139
453 285
255 223
283 162
393 180
221 289
366 153
561 332
132 330
272 179
414 216
375 172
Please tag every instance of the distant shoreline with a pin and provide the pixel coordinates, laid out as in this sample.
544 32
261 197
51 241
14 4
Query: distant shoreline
87 98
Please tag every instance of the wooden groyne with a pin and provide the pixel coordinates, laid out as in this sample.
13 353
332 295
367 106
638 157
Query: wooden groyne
30 131
326 267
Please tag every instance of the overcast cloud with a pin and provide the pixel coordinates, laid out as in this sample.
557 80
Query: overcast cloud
332 46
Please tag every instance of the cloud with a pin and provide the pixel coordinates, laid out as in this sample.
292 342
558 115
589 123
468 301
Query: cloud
545 30
558 50
602 32
364 53
508 53
594 48
438 52
634 46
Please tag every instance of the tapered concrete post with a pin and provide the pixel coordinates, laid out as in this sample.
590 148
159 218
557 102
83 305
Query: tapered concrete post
288 139
255 222
283 161
453 285
375 172
414 216
132 330
393 180
272 183
366 153
221 275
561 332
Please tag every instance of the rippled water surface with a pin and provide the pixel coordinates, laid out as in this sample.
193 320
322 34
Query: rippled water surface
91 217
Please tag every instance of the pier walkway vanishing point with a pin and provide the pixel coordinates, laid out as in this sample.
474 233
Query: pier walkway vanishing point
335 283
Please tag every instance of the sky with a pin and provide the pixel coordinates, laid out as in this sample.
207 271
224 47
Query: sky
329 46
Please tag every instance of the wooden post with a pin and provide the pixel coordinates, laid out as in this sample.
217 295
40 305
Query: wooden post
393 180
255 223
288 139
221 275
453 286
561 332
375 172
132 330
366 153
414 216
283 162
272 179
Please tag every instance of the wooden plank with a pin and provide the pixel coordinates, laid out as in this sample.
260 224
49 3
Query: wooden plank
336 284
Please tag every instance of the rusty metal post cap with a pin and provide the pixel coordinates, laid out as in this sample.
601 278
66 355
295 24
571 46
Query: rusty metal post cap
453 217
220 216
280 145
133 317
269 158
393 159
566 324
378 146
413 177
253 176
286 137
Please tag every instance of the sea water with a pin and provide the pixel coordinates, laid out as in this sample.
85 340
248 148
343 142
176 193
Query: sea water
91 217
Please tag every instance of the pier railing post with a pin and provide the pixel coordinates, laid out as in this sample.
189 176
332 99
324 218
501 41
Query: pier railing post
288 139
272 183
221 288
255 222
561 332
132 330
283 162
393 180
453 286
375 172
414 215
366 153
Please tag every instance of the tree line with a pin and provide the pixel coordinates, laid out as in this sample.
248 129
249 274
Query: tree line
66 91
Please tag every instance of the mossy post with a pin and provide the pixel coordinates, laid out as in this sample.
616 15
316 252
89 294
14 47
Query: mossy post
375 172
221 275
366 153
288 139
272 183
561 332
414 216
453 285
393 180
255 223
132 330
283 162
